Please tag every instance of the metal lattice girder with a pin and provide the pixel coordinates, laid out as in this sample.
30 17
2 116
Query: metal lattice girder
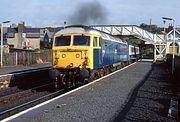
161 50
131 30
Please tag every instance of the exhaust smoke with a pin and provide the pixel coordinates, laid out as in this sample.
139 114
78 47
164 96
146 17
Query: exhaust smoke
88 13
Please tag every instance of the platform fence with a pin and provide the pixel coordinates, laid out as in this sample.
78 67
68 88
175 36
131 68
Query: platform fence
26 58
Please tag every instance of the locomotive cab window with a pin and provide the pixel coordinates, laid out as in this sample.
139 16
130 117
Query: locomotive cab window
62 41
81 41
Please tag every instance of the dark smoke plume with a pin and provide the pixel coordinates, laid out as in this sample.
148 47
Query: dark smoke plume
88 13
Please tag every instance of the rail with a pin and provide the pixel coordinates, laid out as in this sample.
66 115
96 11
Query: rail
31 103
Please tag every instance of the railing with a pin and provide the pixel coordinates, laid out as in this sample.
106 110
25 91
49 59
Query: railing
130 30
26 58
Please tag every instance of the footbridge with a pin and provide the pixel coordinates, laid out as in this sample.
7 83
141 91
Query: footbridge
133 30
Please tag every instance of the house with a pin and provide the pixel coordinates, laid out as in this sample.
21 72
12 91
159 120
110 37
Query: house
48 38
49 35
23 37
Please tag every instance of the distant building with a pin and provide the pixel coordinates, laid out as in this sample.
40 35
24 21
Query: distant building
48 38
49 35
23 37
169 38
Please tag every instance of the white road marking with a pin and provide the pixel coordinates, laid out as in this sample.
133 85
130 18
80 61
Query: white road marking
46 102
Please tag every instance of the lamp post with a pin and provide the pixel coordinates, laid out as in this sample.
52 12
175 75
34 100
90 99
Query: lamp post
2 41
173 48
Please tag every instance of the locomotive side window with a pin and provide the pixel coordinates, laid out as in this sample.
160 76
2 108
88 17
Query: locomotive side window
95 42
81 41
62 41
100 42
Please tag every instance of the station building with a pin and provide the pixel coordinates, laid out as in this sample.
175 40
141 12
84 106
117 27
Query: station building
169 38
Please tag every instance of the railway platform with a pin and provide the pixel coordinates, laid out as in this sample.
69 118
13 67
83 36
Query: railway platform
16 69
140 92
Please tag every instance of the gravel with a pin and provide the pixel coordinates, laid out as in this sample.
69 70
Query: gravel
151 103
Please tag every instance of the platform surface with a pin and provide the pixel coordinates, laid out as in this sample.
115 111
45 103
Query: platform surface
15 69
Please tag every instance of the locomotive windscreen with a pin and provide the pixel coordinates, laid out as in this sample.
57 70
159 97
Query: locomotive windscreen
81 41
62 41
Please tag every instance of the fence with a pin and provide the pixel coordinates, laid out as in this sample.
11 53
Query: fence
26 58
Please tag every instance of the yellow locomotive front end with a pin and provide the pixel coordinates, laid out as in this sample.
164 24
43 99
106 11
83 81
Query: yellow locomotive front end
72 55
71 51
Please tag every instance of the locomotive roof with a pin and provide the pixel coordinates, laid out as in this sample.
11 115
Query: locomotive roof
80 29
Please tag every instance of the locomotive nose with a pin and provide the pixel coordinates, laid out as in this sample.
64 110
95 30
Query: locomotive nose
71 59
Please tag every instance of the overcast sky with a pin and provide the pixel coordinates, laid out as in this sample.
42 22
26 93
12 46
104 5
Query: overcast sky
41 13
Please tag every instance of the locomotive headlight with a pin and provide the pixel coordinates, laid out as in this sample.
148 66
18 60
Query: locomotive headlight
63 55
77 55
71 64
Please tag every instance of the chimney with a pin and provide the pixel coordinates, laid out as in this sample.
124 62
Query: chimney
20 27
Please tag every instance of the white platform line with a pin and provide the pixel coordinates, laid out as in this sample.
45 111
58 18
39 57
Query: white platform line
46 102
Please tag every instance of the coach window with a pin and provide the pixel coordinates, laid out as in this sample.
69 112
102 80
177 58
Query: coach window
95 42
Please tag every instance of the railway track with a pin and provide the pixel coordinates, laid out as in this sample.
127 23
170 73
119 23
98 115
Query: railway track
13 103
28 98
18 101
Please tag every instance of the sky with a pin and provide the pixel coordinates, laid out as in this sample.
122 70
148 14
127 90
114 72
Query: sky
43 13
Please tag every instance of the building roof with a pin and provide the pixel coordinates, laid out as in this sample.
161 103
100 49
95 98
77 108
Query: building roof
50 34
25 30
12 30
31 30
54 29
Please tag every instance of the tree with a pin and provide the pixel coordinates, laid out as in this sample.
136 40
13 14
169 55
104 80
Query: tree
151 28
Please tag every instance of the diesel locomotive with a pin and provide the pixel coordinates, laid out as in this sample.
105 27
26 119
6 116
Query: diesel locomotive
80 54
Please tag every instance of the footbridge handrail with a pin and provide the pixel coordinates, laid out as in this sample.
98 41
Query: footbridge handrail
133 30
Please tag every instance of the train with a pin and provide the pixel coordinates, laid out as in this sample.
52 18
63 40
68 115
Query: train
81 54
